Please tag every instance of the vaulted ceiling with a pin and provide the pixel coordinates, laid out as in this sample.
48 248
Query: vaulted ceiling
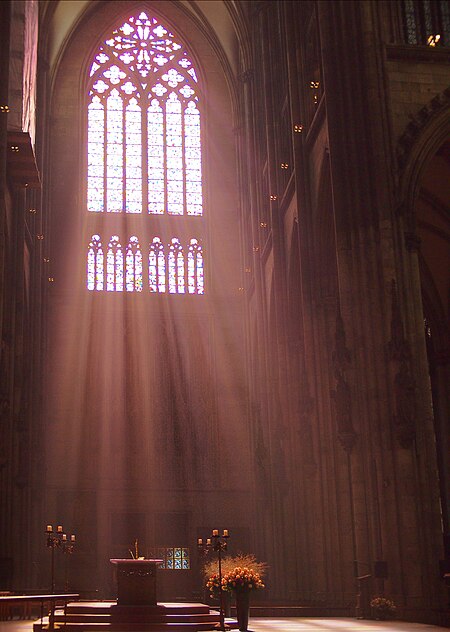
222 21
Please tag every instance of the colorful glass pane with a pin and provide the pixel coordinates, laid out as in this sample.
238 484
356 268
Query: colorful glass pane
95 264
175 558
133 280
155 158
195 268
174 163
157 267
133 157
114 153
176 268
193 160
96 140
114 266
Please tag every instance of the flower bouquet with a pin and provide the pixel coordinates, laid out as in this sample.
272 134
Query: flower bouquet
382 608
240 575
211 569
241 579
212 584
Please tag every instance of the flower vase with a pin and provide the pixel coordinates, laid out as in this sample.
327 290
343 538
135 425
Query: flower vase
242 608
227 604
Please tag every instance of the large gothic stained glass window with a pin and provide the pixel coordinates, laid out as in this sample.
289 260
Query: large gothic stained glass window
144 159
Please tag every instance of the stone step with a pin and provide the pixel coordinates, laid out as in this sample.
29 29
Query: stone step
108 616
130 627
110 607
132 617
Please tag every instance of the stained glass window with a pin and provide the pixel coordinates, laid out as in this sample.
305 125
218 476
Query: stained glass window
144 157
195 268
175 266
114 266
95 264
157 267
173 558
133 266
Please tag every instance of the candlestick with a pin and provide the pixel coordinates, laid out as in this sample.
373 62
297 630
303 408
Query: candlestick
219 545
56 540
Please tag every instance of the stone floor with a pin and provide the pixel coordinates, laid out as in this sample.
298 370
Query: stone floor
293 625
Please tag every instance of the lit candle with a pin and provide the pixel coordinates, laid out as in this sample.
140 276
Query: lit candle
72 538
59 528
225 533
64 537
200 541
208 541
49 528
215 532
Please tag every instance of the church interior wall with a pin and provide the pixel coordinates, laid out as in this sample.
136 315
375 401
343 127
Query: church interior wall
301 402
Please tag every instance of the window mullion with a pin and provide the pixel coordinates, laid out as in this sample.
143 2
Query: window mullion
183 168
124 160
144 103
183 156
144 150
105 158
165 156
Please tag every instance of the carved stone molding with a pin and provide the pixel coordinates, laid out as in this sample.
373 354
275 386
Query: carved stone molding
341 395
404 387
305 432
341 355
404 418
417 124
398 346
246 76
412 242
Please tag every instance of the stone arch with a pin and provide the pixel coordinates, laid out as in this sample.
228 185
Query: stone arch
421 139
424 161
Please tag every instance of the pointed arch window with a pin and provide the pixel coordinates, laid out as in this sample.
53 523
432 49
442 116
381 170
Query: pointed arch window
195 268
133 266
114 265
144 150
176 267
95 264
157 267
144 157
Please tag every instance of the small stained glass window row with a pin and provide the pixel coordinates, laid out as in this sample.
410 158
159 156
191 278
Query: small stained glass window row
173 268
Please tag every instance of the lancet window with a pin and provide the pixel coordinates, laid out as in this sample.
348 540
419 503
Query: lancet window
144 158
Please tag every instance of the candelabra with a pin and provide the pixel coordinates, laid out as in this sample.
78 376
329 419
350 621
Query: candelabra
57 540
217 544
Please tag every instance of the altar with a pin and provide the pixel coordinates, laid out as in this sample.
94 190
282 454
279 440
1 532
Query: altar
136 581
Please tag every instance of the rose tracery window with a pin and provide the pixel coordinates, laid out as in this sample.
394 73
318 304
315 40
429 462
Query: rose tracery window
144 158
